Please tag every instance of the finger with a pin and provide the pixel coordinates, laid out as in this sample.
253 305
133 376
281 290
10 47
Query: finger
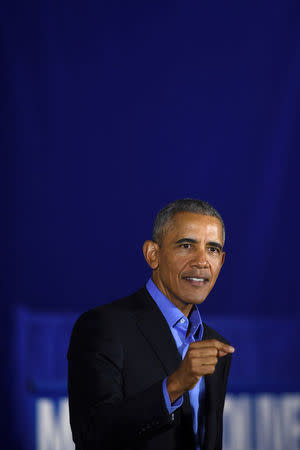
220 346
224 348
221 353
199 368
208 369
202 352
211 360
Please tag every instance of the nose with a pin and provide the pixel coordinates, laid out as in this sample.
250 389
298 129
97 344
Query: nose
200 260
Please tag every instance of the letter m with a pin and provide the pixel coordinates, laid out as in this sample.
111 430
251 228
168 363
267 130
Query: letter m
52 426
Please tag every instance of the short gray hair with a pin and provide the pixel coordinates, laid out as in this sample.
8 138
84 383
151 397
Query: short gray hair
184 205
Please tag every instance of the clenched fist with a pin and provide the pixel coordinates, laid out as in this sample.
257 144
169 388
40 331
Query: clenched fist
200 359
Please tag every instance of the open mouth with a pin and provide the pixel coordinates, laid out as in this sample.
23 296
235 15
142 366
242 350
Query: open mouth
196 281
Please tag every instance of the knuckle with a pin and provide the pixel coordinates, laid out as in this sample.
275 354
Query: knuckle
190 353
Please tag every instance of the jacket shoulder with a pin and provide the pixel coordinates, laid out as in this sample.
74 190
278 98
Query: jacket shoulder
120 306
107 317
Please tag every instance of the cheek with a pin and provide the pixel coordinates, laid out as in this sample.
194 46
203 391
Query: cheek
174 267
216 267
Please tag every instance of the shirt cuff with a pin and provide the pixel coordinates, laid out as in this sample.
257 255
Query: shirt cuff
171 407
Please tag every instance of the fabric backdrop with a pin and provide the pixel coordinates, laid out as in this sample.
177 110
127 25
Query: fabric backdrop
109 111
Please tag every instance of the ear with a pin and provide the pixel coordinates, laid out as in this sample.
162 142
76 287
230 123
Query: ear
223 258
151 251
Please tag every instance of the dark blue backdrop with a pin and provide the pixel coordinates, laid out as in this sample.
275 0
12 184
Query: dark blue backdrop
111 110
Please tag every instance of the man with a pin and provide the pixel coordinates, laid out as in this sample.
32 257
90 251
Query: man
145 372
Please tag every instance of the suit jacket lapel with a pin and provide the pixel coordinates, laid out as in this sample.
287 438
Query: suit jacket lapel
211 381
211 399
155 329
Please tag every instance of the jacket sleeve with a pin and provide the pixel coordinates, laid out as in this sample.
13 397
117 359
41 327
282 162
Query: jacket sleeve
100 414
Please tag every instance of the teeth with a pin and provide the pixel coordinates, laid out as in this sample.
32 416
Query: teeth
195 279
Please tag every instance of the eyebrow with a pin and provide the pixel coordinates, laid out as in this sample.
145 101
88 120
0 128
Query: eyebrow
194 241
191 241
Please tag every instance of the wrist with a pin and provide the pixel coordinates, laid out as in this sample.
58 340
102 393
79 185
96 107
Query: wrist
174 387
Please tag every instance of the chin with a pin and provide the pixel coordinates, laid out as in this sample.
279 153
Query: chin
195 297
198 301
194 301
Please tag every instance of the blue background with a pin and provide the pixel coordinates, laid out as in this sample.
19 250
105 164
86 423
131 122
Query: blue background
109 111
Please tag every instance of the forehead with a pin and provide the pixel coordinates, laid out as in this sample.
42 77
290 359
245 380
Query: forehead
192 225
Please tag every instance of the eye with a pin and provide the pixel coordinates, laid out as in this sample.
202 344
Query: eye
186 245
214 250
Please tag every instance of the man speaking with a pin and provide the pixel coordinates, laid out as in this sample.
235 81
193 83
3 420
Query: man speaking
145 373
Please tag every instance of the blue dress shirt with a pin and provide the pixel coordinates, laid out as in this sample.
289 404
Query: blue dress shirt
178 324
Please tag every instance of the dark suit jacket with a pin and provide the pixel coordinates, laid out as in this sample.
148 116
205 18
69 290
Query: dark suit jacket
119 355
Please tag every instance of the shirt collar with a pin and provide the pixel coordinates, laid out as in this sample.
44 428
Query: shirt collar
171 313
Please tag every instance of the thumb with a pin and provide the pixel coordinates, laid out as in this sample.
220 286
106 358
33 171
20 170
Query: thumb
222 353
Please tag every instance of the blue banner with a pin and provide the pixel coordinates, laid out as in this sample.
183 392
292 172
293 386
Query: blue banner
109 111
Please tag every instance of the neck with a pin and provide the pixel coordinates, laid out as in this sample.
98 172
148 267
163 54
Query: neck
185 308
